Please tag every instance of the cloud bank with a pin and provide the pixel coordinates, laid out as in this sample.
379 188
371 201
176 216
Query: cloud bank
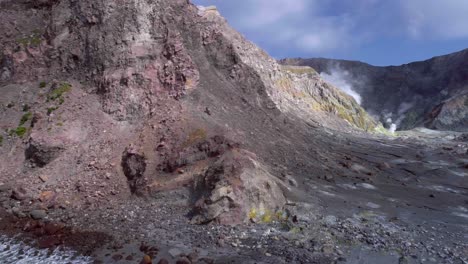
331 27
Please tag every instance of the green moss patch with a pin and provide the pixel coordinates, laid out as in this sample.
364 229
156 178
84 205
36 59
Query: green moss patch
34 39
25 118
50 110
19 131
58 92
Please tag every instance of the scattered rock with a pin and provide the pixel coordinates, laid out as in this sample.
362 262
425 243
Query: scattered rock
221 242
360 169
175 252
4 188
291 180
328 249
20 194
383 166
329 178
117 257
183 260
148 260
46 196
330 220
163 261
43 178
18 213
38 214
193 256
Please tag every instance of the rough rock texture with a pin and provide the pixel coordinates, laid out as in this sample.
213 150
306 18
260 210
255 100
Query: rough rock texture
451 114
41 151
235 185
411 95
297 90
143 116
134 166
97 76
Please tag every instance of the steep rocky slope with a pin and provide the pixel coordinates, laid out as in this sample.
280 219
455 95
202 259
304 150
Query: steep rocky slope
94 81
430 93
155 122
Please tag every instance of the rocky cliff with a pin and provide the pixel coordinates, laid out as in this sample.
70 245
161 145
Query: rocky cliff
429 93
135 89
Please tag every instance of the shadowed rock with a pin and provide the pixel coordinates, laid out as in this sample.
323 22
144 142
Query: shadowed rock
41 151
134 166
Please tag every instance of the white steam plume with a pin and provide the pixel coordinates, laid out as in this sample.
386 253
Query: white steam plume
341 80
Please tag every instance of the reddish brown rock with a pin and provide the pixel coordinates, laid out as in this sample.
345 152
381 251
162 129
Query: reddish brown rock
183 260
146 260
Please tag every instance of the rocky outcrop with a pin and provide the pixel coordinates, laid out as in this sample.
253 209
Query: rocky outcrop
233 187
409 95
451 114
42 150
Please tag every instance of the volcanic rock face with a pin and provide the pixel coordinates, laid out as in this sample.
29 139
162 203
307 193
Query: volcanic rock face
136 117
410 95
100 75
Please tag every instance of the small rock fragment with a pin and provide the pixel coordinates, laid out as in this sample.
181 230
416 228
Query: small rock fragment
328 249
43 178
19 194
38 214
4 188
46 196
163 261
117 257
183 260
147 260
175 252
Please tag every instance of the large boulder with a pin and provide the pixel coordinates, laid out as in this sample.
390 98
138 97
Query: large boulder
41 150
235 189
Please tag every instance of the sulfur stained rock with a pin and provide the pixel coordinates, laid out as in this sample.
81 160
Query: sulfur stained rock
233 186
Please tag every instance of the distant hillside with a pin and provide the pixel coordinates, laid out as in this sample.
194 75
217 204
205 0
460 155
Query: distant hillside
431 93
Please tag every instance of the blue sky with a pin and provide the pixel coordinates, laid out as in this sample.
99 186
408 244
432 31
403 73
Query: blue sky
379 32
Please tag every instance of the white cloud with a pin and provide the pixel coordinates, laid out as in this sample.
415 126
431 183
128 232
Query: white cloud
325 27
258 13
433 19
328 34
